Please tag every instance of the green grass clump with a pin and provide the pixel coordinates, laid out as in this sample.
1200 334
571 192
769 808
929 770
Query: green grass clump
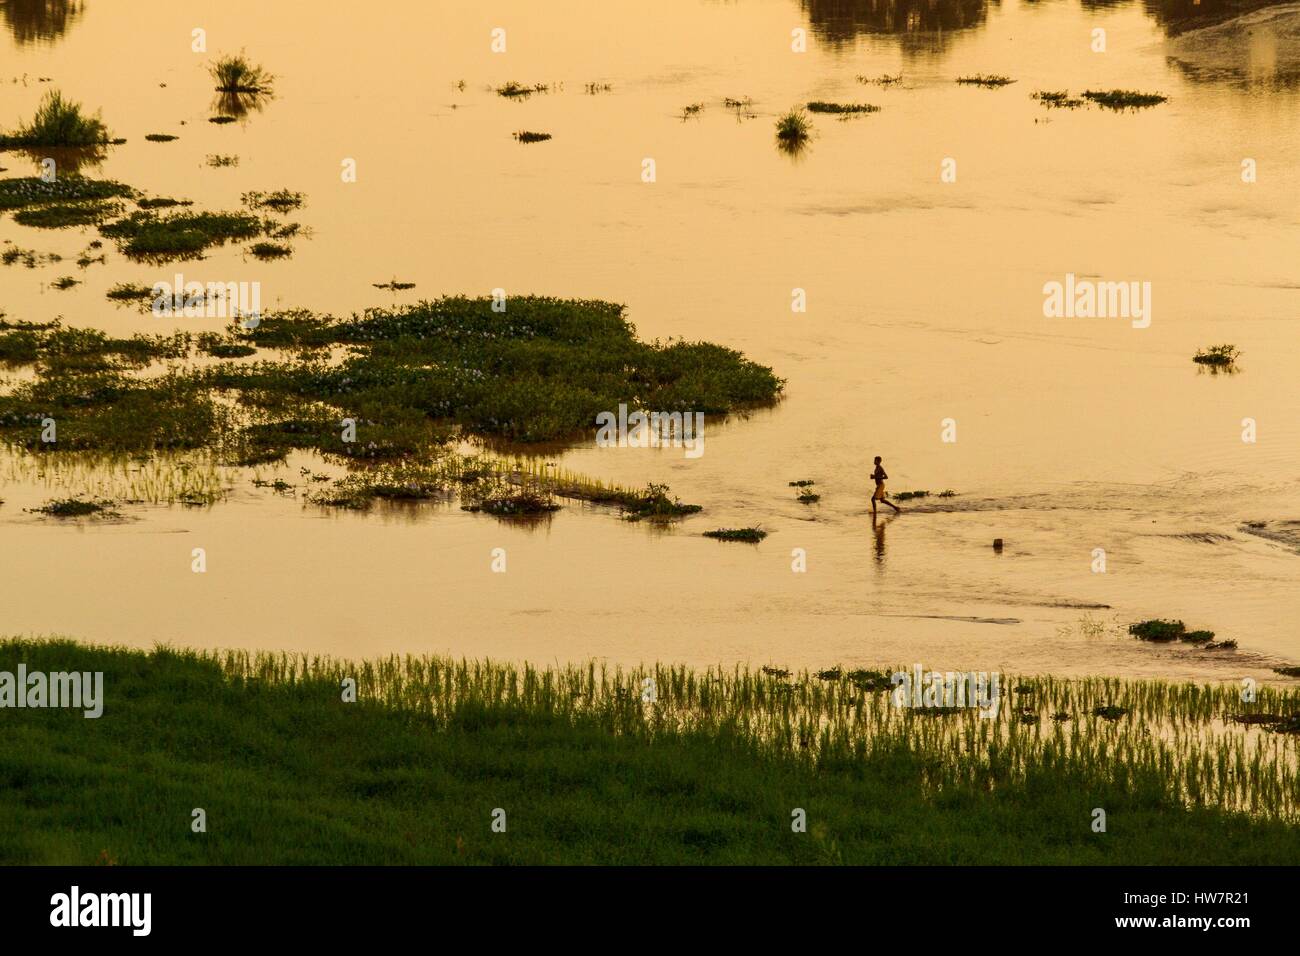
590 774
31 191
67 215
58 122
990 81
147 236
1123 99
1158 631
235 74
793 128
655 504
751 535
818 106
909 495
1287 671
1220 356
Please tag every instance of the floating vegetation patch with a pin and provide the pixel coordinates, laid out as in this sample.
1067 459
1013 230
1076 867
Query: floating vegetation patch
150 237
750 535
1287 671
269 250
1123 99
31 192
161 137
910 495
76 508
1059 99
219 346
1158 631
808 497
130 292
162 202
412 380
58 123
64 282
591 89
1217 356
883 80
28 257
513 90
67 215
281 201
987 80
842 109
219 161
654 504
692 109
221 120
528 136
394 286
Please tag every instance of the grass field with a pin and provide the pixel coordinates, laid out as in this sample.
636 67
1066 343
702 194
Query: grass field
586 772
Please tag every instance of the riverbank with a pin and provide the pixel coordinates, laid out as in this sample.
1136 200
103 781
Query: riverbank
578 767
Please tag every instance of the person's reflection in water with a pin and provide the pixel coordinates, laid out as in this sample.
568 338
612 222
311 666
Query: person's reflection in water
878 525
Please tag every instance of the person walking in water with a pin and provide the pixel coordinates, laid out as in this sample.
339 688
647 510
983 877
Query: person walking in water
879 477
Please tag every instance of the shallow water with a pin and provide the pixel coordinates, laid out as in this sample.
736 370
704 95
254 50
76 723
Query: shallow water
924 303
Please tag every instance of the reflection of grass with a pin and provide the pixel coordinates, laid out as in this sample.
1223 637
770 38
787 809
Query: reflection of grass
58 122
708 767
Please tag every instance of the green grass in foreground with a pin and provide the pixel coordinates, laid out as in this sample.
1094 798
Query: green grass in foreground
587 773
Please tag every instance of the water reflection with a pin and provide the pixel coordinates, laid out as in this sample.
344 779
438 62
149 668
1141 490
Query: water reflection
878 525
920 25
44 21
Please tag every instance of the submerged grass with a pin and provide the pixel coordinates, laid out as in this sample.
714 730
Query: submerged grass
590 772
988 80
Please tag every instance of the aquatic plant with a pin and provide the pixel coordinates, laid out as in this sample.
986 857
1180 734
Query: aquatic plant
66 215
281 200
1123 99
990 80
235 74
1220 356
269 250
1059 99
886 79
751 535
58 122
793 128
64 282
654 504
76 508
148 236
908 495
160 137
513 90
1159 631
527 136
221 161
818 106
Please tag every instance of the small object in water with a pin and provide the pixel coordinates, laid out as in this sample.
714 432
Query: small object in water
997 544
